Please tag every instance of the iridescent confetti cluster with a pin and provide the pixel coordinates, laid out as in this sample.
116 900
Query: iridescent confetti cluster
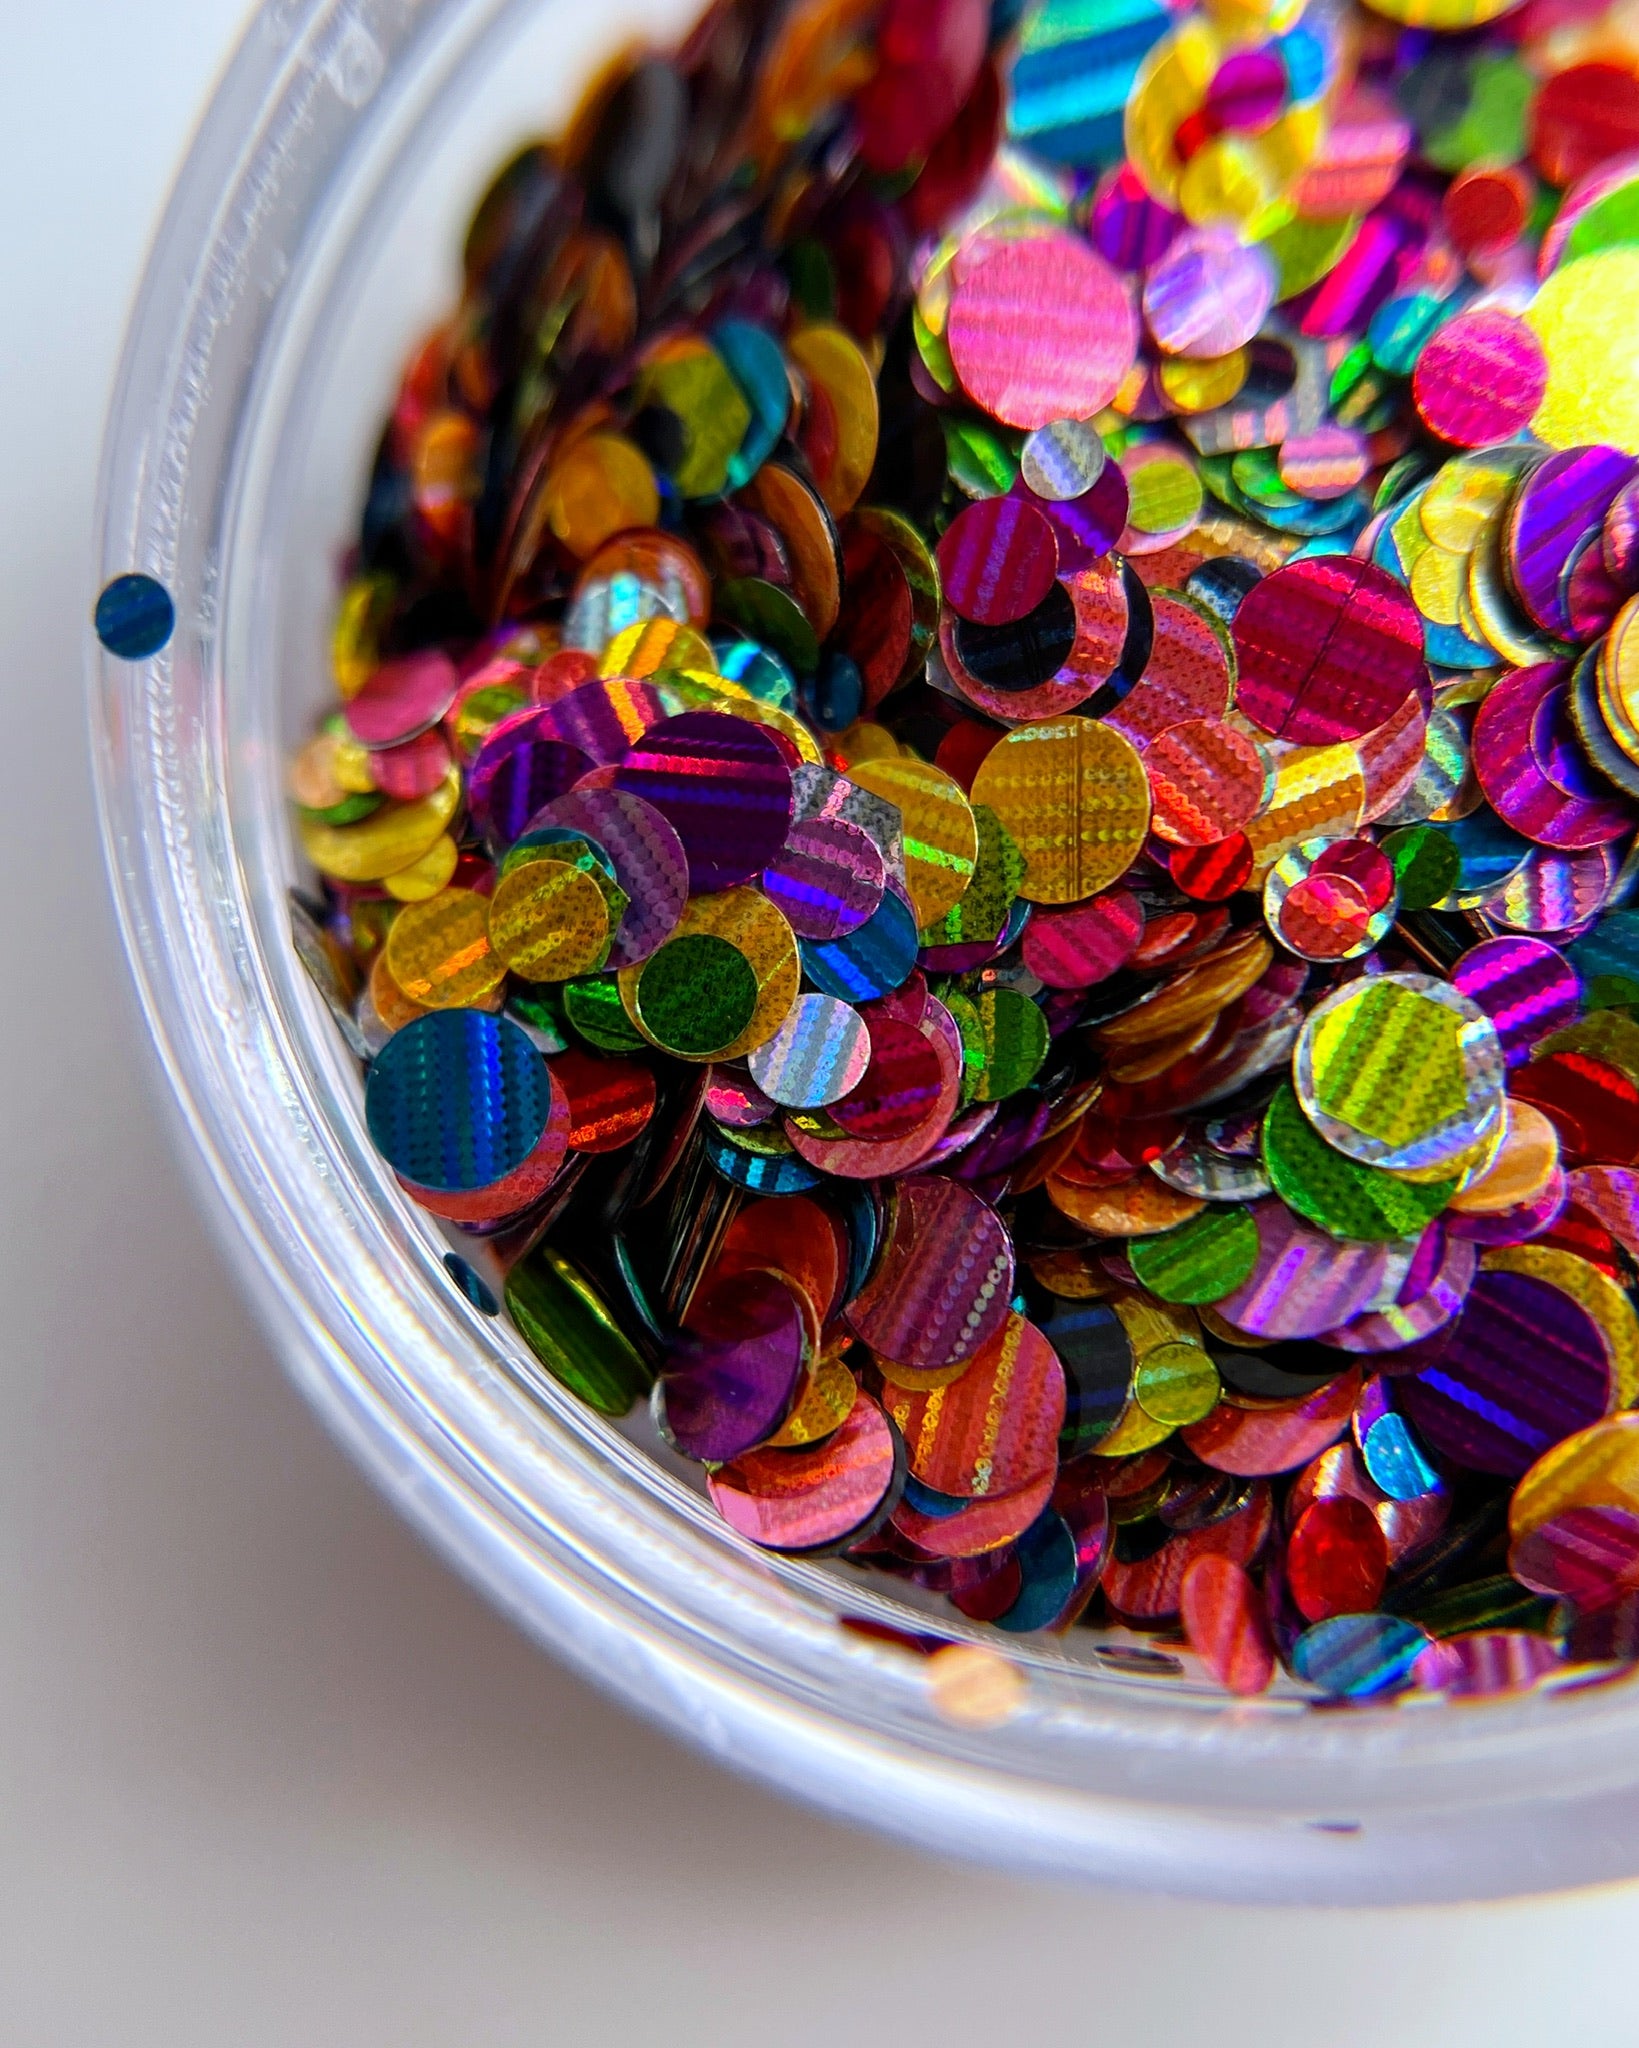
979 828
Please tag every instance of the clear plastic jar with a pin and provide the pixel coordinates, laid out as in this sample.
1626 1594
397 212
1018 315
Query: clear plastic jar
311 237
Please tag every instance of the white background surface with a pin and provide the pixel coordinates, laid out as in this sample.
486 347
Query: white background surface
271 1776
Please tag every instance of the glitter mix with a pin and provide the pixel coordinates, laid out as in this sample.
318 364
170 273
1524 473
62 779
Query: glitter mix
979 830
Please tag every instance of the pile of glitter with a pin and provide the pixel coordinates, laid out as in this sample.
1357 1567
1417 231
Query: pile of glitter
978 828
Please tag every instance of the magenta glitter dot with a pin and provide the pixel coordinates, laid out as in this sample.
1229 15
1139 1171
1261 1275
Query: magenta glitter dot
998 559
1126 226
723 786
1518 790
403 698
1328 648
1248 91
1074 948
604 717
1480 378
828 878
1528 990
1042 330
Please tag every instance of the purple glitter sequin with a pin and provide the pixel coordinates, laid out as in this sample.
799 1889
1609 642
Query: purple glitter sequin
1528 990
1523 1367
722 784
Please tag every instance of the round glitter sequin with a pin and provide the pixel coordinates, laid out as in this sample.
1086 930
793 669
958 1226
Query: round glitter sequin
811 1499
1480 378
1363 1045
900 1086
996 1428
1074 796
457 1099
439 952
1205 781
943 1279
1202 1260
828 877
1346 1198
997 560
548 921
1077 947
646 855
940 836
819 1053
1527 989
1328 648
1062 459
1041 330
1208 294
1522 1368
723 786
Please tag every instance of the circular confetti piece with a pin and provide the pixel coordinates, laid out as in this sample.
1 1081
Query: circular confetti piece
1305 1282
997 666
1589 1555
900 1088
869 961
726 1393
1041 330
1206 781
1324 464
723 786
1400 1071
1527 989
696 995
819 1053
647 857
1264 1441
997 559
811 1499
1328 648
1522 1368
1525 1165
548 921
1062 460
1337 1559
401 699
1212 874
1208 294
1176 1384
1226 1621
1359 1656
996 1428
1075 798
941 837
439 952
134 617
457 1099
943 1279
1074 948
1202 1260
828 878
1480 378
610 1101
517 771
1347 1199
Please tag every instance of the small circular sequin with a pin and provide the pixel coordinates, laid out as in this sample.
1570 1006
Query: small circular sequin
1360 1045
724 787
134 617
1206 779
997 559
1076 800
1041 330
828 877
439 952
1062 459
548 921
1480 378
1328 648
458 1099
819 1053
